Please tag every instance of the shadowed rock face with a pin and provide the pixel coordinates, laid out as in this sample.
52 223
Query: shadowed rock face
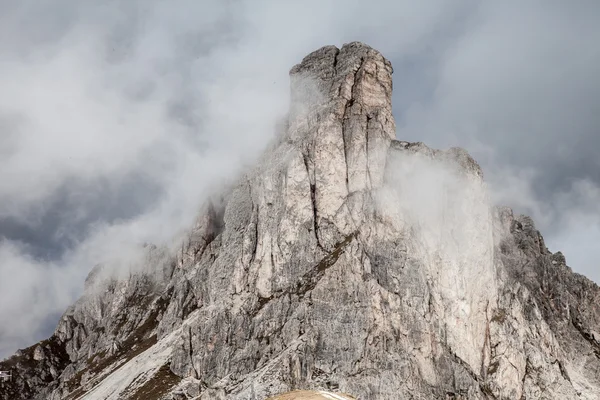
346 262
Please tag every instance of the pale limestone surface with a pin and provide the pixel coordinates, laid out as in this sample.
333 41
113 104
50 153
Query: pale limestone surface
347 261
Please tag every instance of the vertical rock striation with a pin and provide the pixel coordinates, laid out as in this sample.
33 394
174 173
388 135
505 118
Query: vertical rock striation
346 261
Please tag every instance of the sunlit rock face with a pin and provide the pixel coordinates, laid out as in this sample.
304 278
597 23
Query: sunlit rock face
345 262
312 395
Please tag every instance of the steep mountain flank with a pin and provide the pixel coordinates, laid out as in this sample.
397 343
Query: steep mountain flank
346 262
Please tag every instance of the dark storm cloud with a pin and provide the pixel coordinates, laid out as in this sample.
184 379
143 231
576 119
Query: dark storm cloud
519 89
66 215
117 118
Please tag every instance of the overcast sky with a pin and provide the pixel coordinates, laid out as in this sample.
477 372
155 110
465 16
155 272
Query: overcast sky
118 117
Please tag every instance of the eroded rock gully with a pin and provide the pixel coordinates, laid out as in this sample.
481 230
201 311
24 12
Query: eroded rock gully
348 262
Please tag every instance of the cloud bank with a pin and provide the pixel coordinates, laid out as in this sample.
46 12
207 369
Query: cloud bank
118 118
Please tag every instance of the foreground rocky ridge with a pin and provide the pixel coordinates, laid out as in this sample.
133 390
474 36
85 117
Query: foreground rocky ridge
347 261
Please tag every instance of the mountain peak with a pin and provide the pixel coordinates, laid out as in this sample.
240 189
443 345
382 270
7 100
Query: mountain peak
354 73
347 262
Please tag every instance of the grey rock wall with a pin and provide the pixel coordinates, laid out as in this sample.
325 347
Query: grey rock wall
345 261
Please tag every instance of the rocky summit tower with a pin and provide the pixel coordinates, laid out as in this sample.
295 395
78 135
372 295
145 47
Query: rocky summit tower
346 262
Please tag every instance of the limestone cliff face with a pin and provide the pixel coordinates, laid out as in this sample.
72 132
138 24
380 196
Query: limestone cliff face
346 261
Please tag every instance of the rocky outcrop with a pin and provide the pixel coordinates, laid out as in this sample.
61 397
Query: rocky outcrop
347 261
